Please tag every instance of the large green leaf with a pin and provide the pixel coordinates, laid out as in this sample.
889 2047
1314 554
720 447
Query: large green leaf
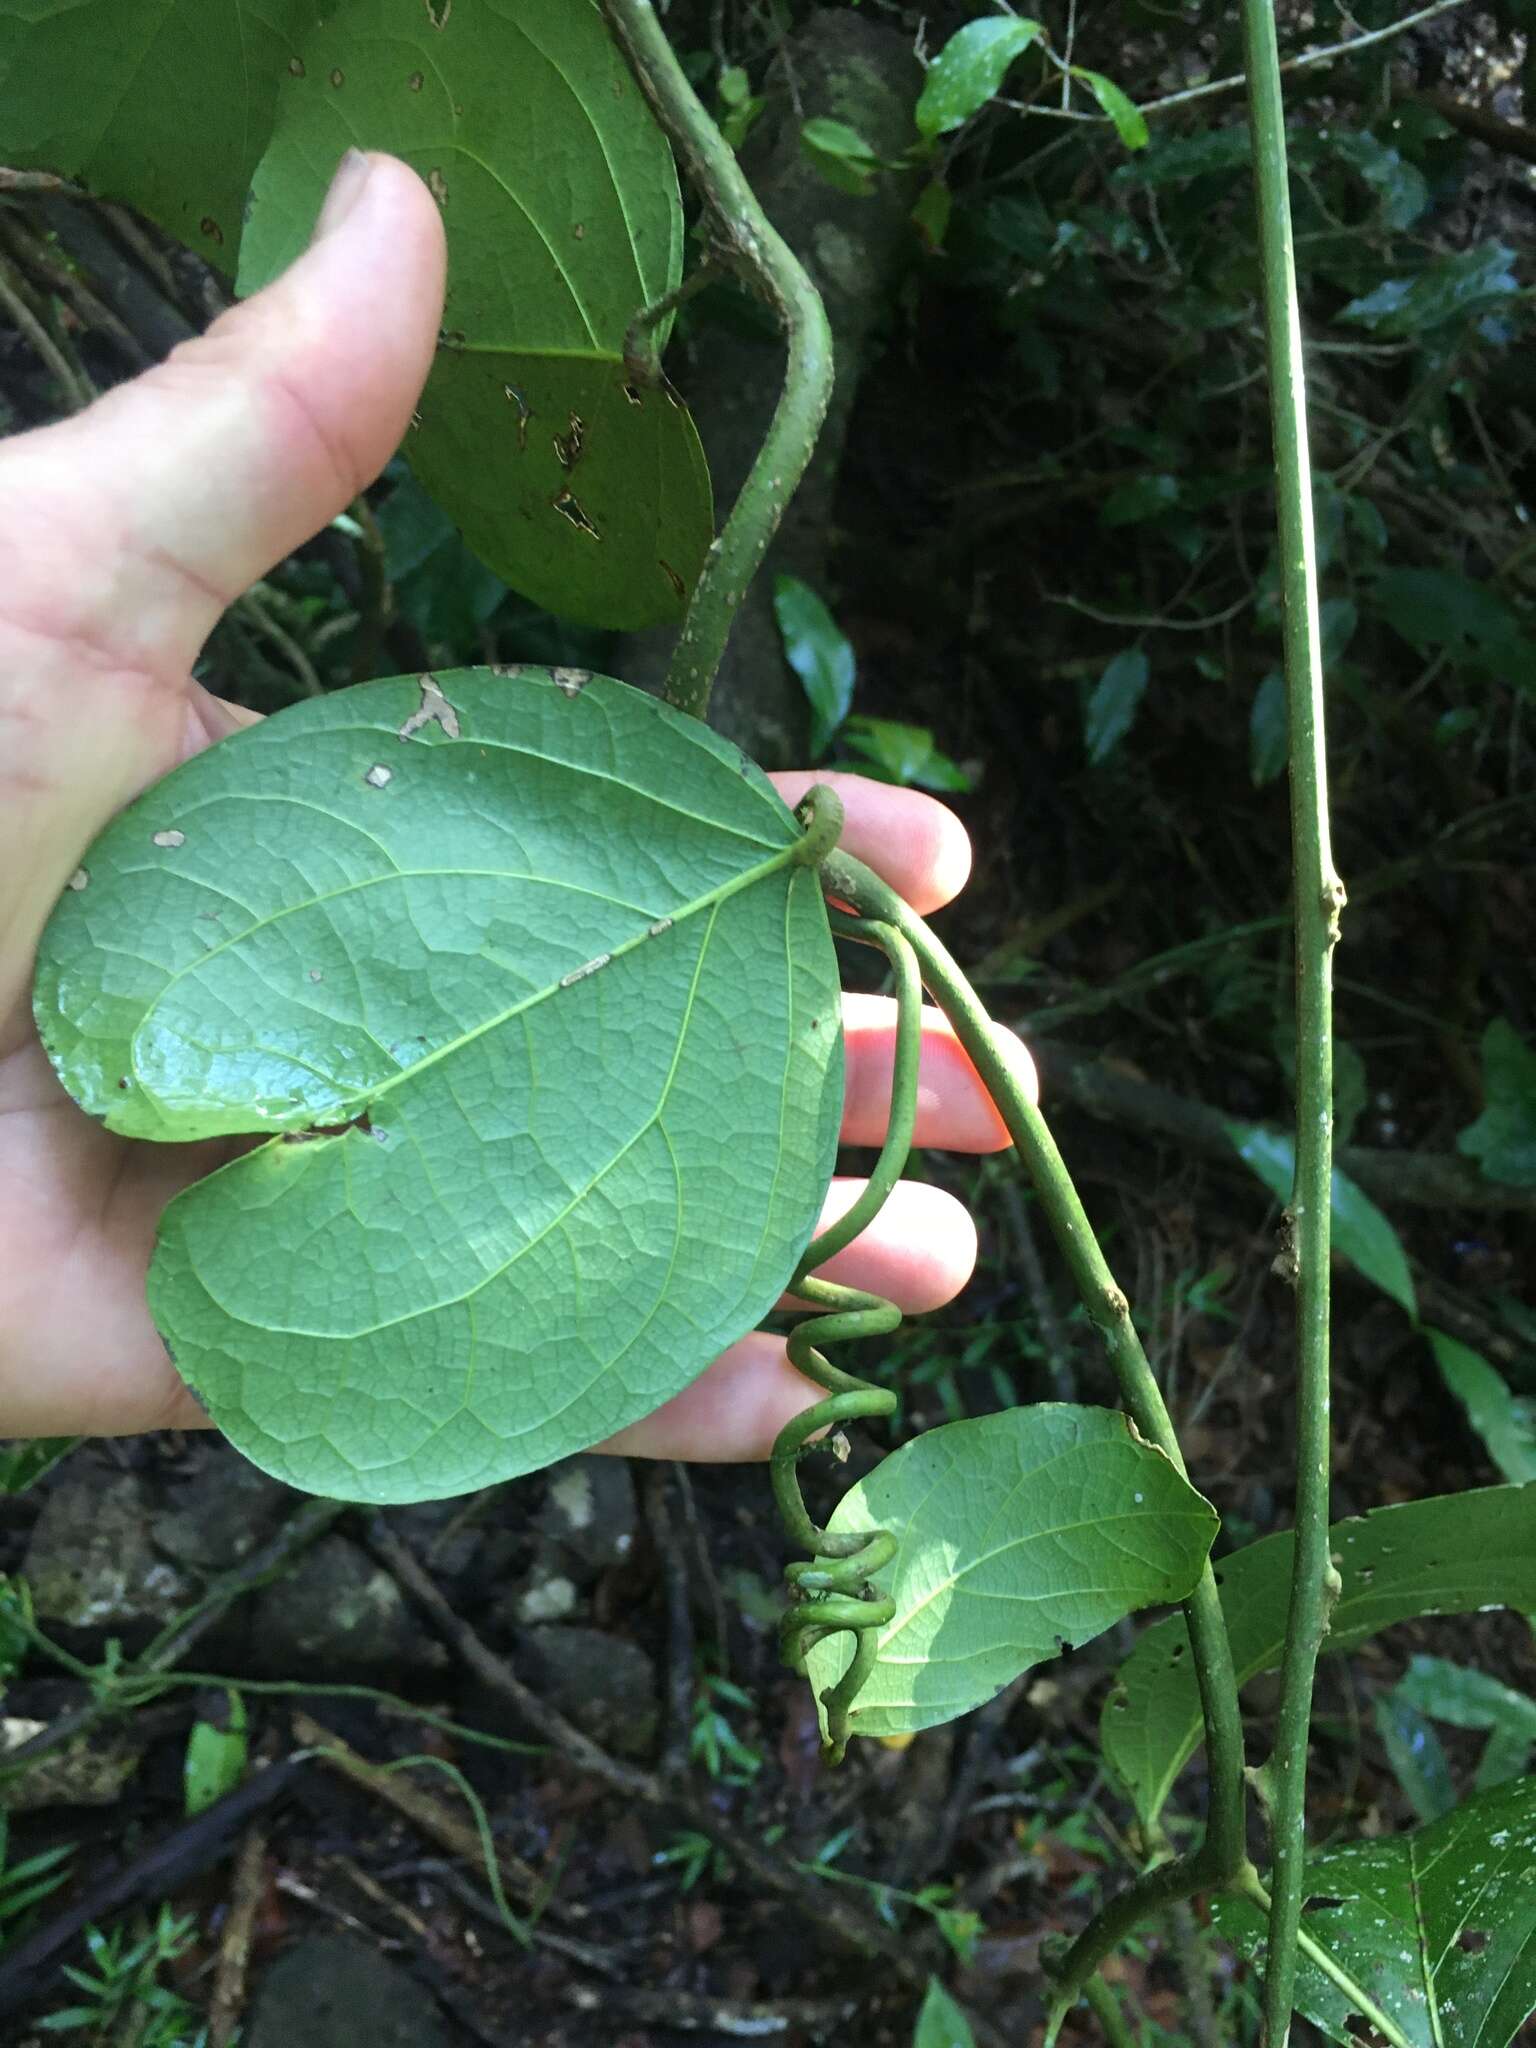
1455 1554
166 104
523 966
1360 1231
1438 1925
1018 1535
583 490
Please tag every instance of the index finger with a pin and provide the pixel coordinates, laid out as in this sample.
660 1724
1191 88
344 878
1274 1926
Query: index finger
912 841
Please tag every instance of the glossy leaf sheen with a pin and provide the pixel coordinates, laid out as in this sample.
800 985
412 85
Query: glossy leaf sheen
583 491
573 1189
1019 1535
969 70
1456 1554
1438 1925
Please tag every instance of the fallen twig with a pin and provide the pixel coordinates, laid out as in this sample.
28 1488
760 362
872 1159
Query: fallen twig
852 1925
174 1860
234 1960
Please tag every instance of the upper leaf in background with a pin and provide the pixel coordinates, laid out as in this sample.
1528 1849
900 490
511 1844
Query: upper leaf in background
1506 1424
582 490
1360 1231
1438 1925
1018 1535
1437 610
1472 1699
539 1172
1455 1554
1130 122
941 2023
969 70
905 754
841 155
166 104
1503 1139
1113 703
1449 287
819 652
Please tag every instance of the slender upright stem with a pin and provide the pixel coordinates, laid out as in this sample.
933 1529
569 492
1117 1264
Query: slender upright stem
1318 899
1221 1860
742 239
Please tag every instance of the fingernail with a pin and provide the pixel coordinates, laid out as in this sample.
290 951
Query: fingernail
346 189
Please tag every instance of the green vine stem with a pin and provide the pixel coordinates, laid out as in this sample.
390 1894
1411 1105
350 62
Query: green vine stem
1319 898
833 1594
1221 1859
740 238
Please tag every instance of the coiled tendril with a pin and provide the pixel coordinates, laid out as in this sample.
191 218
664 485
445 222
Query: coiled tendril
832 1593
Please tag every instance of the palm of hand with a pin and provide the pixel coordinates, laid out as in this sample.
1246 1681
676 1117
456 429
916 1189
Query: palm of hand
126 531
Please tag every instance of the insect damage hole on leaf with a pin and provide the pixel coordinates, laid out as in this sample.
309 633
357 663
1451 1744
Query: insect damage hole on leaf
434 709
569 506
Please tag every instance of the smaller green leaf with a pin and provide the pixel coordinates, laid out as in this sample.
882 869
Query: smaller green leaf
930 216
904 754
1503 1139
1506 1424
15 1626
1130 122
216 1756
969 70
1465 1698
1400 186
1113 703
1360 1231
841 154
941 2023
1438 1926
1416 1754
1449 287
1172 159
23 1463
1018 1535
820 654
1144 497
1337 620
1437 611
1268 730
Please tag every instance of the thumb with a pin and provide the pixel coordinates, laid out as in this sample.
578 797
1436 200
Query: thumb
183 487
125 531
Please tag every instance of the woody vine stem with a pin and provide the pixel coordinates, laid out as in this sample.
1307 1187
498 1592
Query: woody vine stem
739 237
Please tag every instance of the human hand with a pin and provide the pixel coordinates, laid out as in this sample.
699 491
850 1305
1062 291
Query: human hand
125 533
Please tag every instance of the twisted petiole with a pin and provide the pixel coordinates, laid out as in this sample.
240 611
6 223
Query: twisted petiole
1222 1856
832 1594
